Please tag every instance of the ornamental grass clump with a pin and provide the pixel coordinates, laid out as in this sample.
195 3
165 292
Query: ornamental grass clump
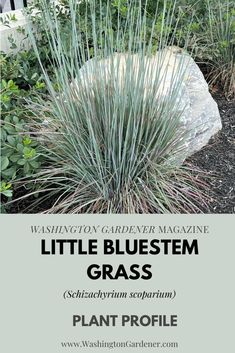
112 131
221 44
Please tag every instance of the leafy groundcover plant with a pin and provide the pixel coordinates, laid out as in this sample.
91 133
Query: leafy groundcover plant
20 152
111 137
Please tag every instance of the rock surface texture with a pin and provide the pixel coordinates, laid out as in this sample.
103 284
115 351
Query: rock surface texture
172 72
201 117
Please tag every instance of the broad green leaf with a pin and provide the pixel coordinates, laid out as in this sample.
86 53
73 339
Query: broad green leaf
4 162
21 161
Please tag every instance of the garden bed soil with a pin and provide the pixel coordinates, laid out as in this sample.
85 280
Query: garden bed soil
218 160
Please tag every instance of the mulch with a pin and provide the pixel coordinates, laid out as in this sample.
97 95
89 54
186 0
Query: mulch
218 160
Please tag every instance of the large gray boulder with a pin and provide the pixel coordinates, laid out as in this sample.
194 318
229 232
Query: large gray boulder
171 70
201 117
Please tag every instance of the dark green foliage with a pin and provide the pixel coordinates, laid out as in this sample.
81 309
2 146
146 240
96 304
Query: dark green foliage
20 153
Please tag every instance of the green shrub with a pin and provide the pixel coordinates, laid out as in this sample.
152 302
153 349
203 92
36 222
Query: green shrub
20 152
